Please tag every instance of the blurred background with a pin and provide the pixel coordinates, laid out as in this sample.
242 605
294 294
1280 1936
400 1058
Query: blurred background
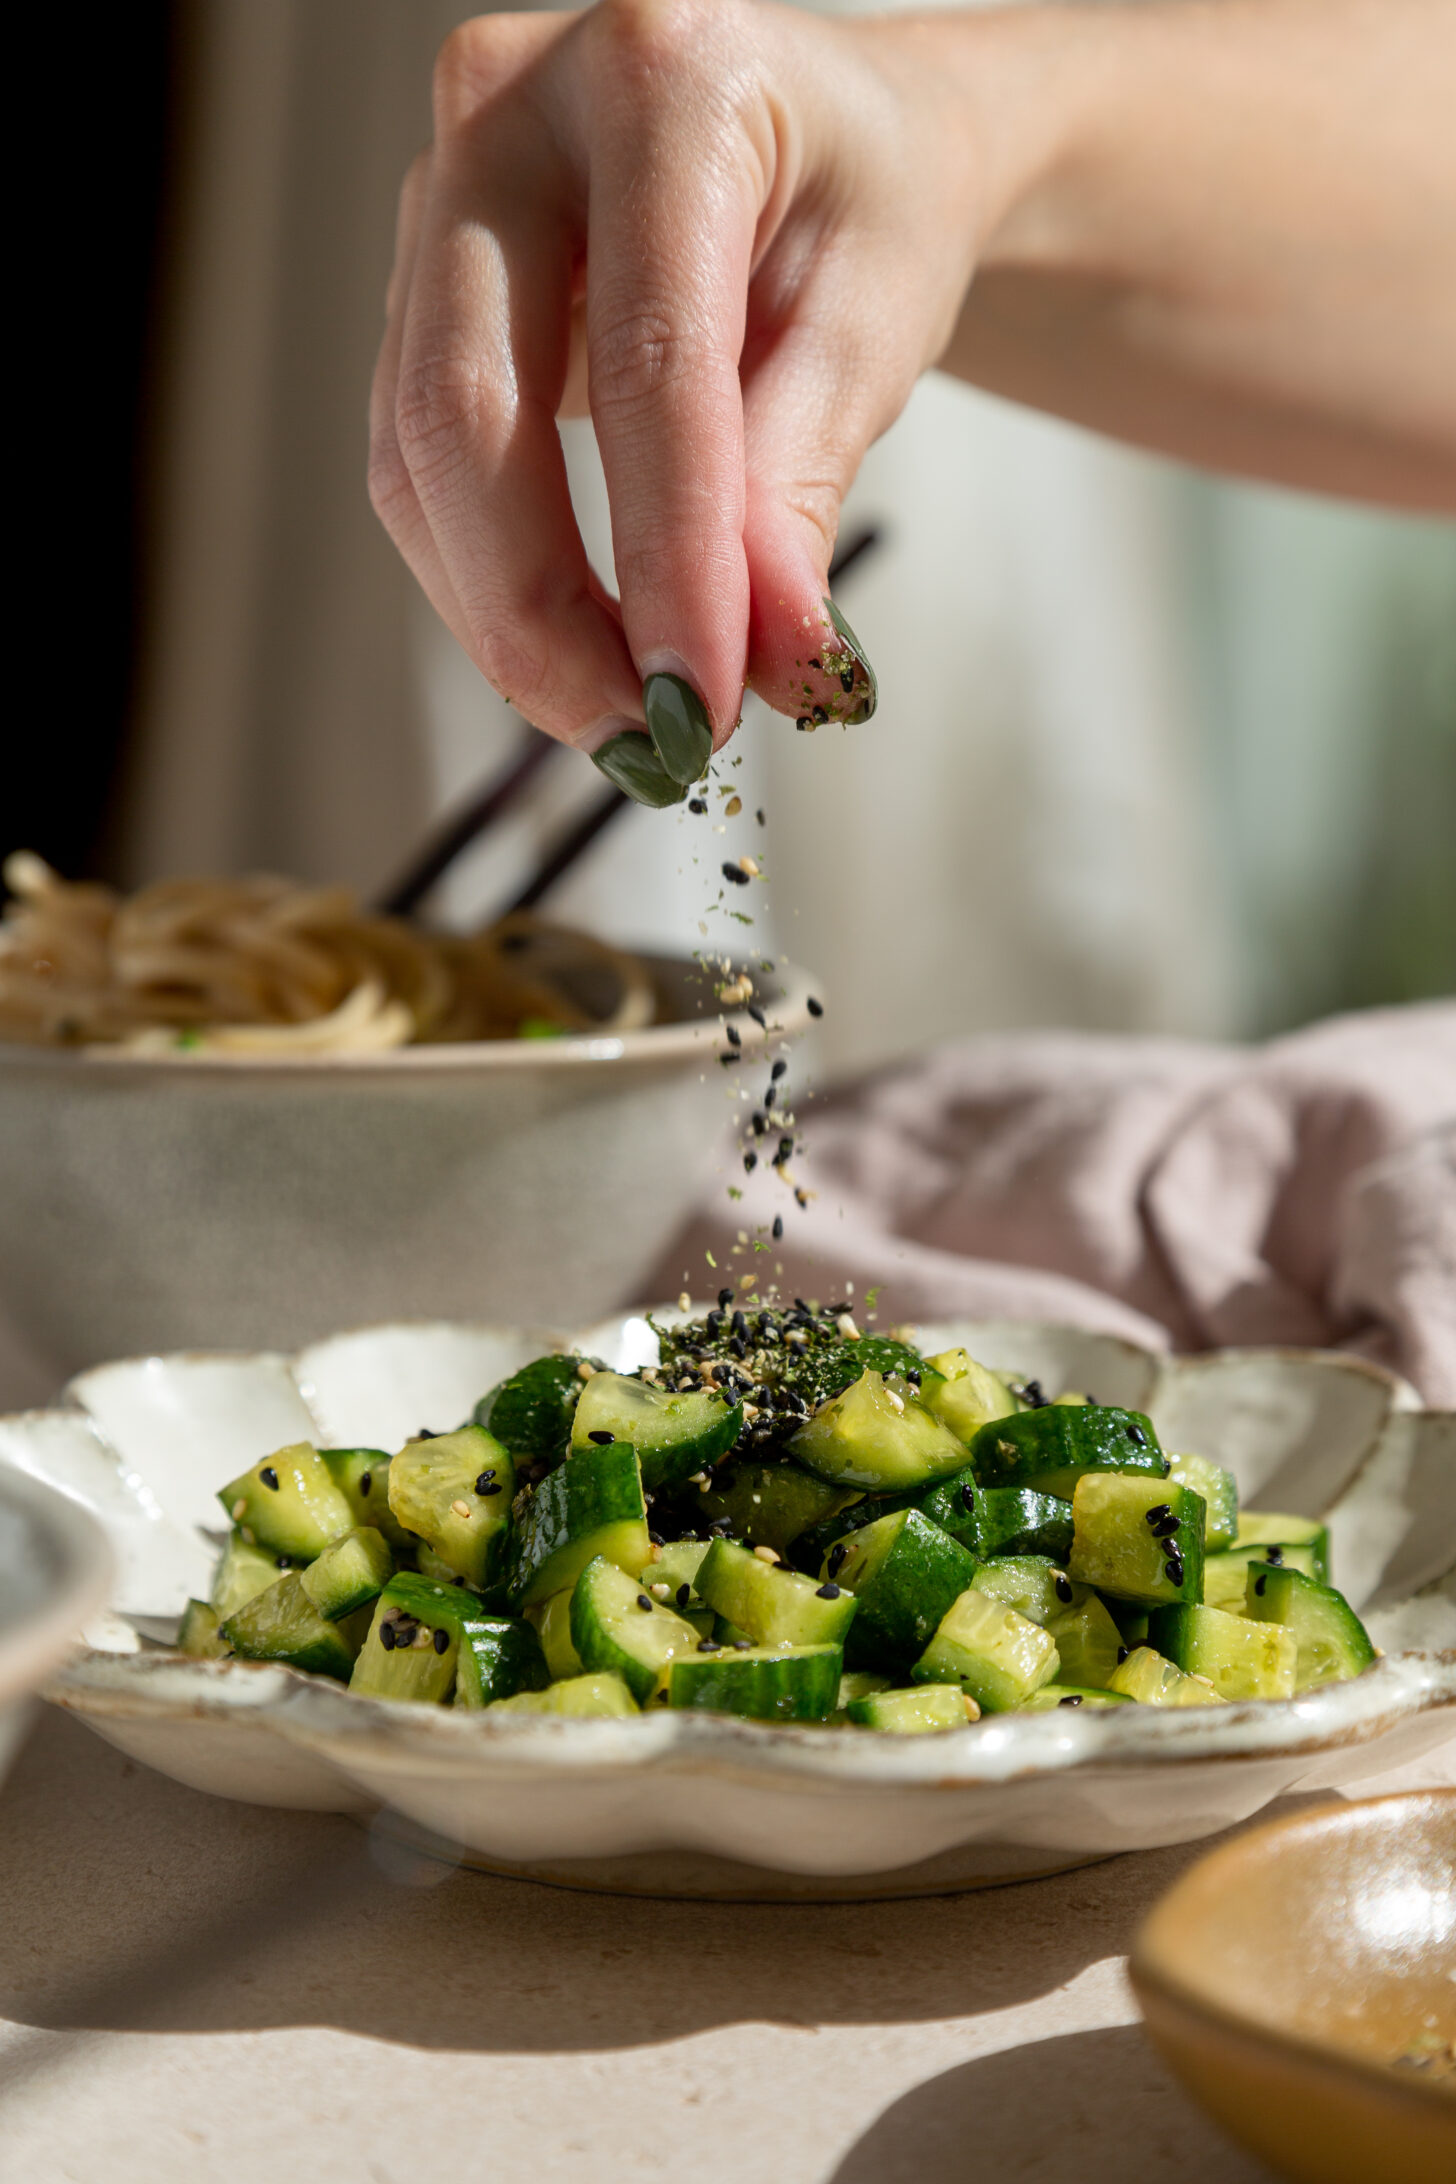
1154 752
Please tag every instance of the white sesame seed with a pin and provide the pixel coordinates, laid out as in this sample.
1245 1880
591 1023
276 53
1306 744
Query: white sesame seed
846 1325
973 1712
659 1592
750 865
684 1302
240 1510
460 1508
766 1554
585 1369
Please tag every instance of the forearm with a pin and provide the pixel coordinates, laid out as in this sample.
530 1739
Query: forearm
1225 229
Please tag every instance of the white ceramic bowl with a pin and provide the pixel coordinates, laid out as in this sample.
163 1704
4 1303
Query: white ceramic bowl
187 1202
55 1570
692 1804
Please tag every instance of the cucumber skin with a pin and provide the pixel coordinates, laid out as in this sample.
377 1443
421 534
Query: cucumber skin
1052 1695
903 1604
1040 1448
1332 1644
352 1570
788 1684
580 1698
498 1657
595 1492
530 1411
1000 1520
1220 1494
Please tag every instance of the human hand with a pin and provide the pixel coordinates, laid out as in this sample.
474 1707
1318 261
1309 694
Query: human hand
738 234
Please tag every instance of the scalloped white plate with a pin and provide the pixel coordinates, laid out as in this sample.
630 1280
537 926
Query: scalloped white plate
680 1804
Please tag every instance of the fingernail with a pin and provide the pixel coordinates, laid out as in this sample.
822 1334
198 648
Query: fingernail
677 721
857 682
631 763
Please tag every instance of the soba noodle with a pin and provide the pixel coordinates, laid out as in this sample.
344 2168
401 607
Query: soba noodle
262 965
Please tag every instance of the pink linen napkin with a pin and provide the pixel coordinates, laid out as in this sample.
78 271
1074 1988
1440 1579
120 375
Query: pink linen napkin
1182 1194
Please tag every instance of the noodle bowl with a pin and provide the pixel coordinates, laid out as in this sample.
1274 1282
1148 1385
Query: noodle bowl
262 965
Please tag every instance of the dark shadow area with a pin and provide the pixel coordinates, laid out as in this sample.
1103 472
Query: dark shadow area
1098 2106
133 1904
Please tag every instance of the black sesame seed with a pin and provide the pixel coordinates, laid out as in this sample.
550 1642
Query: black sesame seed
1274 1555
366 1482
1174 1568
482 1484
760 1124
442 1641
731 872
914 1375
709 1645
283 1562
600 1435
803 723
968 1494
836 1560
815 1008
733 1035
780 1069
1073 1698
644 1601
696 804
758 815
740 1323
846 681
1122 1654
742 1645
1061 1586
386 1636
829 1591
425 1434
1157 1515
1259 1584
778 1227
725 1298
269 1477
683 1595
732 1055
758 1016
485 1492
750 1162
1136 1435
770 1096
655 1537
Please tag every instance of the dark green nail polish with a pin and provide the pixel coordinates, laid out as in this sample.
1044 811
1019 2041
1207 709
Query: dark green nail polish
865 690
677 721
630 761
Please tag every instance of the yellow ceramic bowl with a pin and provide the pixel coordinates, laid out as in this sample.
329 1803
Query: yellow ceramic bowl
1301 1982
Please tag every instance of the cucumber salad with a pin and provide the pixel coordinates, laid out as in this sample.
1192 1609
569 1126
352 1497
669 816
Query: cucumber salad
786 1520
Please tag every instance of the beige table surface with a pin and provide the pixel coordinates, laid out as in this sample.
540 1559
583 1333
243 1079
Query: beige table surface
198 1990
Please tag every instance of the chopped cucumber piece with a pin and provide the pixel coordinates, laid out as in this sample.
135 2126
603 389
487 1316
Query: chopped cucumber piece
619 1629
875 1434
282 1624
1152 1681
1071 1694
906 1575
583 1698
677 1564
352 1570
413 1645
551 1620
244 1571
1220 1492
592 1505
674 1435
1033 1586
1332 1643
1225 1576
991 1651
530 1413
1266 1528
859 1683
454 1491
771 1505
1131 1620
288 1502
815 1542
965 1396
197 1633
1089 1643
774 1606
1138 1537
924 1707
1050 1449
1242 1660
362 1477
766 1683
429 1564
999 1520
496 1657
